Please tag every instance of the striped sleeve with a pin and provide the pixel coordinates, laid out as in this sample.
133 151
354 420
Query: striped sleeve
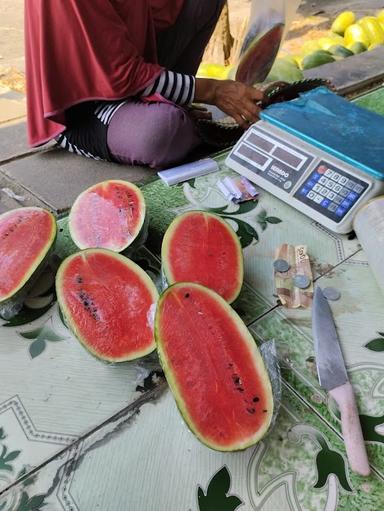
176 87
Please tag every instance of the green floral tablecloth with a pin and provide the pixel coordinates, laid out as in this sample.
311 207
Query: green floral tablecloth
77 434
110 437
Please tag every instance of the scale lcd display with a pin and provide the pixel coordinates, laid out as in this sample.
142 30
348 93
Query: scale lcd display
259 159
287 157
271 158
260 142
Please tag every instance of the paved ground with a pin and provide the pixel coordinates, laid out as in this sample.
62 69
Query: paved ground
11 22
12 34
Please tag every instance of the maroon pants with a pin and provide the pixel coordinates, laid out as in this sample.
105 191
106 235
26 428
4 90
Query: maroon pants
161 134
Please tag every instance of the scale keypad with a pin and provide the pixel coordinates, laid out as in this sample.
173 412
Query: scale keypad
331 191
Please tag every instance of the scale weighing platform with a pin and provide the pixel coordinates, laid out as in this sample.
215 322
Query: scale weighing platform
319 153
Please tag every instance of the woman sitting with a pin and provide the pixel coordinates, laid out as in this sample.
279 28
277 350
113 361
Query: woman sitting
114 79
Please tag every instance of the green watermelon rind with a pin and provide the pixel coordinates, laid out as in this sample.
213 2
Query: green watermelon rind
67 314
165 263
138 231
262 371
20 292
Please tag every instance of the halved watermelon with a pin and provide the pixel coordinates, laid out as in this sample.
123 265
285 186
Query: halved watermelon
213 367
26 238
201 247
108 302
108 215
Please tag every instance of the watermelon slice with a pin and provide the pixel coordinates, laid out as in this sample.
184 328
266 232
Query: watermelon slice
201 247
26 238
108 303
258 54
108 215
213 367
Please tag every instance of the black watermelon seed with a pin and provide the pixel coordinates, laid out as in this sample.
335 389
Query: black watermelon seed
265 411
256 399
236 379
186 295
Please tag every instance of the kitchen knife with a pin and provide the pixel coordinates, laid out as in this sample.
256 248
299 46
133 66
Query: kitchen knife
333 378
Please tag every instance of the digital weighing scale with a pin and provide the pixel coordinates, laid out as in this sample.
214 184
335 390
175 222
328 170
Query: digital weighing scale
319 153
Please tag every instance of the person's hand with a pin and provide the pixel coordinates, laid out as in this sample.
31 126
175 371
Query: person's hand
234 98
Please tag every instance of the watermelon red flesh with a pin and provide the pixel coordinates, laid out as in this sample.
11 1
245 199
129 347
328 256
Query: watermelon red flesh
213 367
26 236
259 56
201 247
108 301
108 215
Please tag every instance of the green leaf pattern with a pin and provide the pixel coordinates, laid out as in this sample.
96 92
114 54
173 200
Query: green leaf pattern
369 425
331 462
30 480
216 498
26 503
245 231
376 344
35 503
263 219
37 348
245 207
6 457
40 336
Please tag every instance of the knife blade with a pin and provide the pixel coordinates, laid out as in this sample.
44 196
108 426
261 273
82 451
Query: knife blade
333 377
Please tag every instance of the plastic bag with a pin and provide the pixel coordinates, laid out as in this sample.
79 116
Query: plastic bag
269 22
269 354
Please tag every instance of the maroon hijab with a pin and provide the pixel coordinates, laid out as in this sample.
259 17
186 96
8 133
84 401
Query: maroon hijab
80 50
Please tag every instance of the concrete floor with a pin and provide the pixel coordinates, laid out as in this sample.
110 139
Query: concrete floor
12 34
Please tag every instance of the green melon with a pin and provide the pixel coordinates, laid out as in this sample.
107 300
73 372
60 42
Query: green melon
340 51
284 71
213 367
357 47
317 58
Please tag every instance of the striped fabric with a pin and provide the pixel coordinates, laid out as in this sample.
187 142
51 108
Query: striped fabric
175 87
63 141
105 111
95 137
